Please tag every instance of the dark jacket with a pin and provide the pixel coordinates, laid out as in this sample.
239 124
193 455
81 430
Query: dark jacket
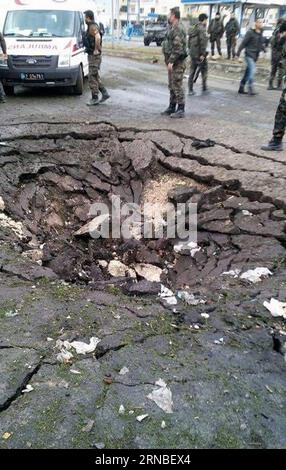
198 41
232 28
3 44
276 41
175 45
253 44
89 39
215 29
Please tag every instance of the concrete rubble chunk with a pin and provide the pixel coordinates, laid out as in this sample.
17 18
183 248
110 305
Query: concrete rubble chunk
149 272
93 227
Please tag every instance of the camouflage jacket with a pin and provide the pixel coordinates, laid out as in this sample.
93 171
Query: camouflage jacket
198 41
276 41
283 59
216 29
175 45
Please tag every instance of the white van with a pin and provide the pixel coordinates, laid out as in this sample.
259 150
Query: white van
44 43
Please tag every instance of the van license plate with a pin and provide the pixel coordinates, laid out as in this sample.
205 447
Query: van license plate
32 77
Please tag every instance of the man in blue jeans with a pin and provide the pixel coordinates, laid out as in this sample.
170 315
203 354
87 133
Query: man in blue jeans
253 45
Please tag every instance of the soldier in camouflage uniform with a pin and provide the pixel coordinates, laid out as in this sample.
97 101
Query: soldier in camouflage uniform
175 53
93 47
276 54
198 41
280 117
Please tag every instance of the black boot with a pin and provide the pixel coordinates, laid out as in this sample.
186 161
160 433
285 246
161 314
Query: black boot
94 101
275 145
279 85
270 86
205 89
3 99
241 90
251 91
180 113
105 95
170 110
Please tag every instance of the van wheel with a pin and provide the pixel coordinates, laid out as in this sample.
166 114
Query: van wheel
146 42
9 90
78 88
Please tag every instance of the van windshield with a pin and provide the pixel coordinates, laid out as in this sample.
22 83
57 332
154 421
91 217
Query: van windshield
40 23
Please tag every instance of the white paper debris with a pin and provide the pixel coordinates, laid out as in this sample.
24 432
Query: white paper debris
121 410
191 247
28 389
255 275
141 418
163 425
219 341
168 296
245 212
83 348
76 372
64 356
205 315
162 396
189 298
276 308
124 371
2 204
233 273
11 314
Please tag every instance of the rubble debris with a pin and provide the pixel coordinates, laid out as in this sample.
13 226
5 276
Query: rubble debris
124 371
28 389
163 424
162 396
149 272
276 308
89 425
6 435
121 410
118 269
167 296
187 248
255 275
92 227
219 341
144 288
2 204
83 348
189 298
141 418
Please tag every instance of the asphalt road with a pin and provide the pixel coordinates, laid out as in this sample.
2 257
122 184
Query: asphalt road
139 93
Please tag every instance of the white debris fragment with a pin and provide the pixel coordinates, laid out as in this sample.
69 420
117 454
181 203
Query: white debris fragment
16 227
64 356
255 275
245 212
141 418
276 308
2 204
219 341
93 227
162 396
163 425
83 348
121 410
74 371
233 273
149 272
167 295
49 339
190 247
102 263
189 298
124 371
11 314
205 315
118 269
28 389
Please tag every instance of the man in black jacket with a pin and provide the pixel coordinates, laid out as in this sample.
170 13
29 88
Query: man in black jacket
232 29
216 31
253 45
4 55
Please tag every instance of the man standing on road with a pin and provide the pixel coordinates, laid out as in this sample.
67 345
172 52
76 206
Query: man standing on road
93 43
253 45
275 143
175 53
232 29
198 42
4 55
276 57
216 31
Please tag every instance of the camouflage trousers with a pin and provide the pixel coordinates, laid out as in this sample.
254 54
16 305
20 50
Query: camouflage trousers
195 63
177 92
280 118
276 67
95 84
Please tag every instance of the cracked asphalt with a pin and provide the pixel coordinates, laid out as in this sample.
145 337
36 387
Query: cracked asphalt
226 395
